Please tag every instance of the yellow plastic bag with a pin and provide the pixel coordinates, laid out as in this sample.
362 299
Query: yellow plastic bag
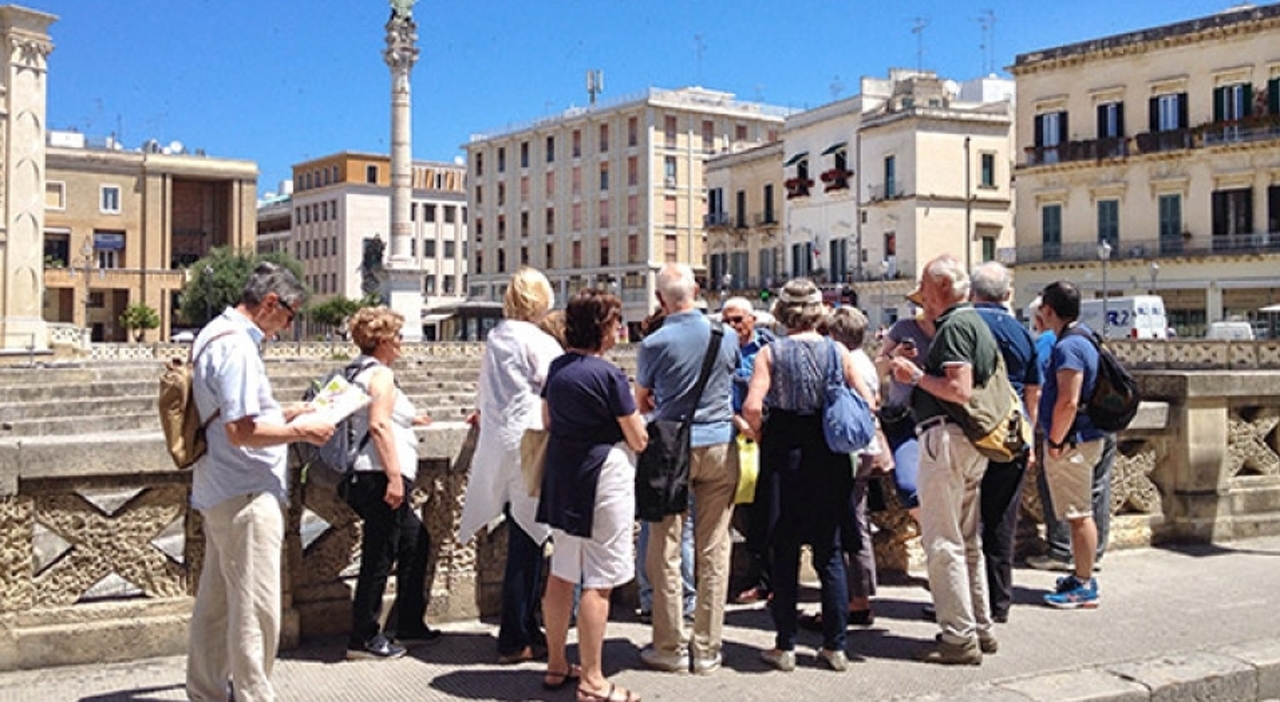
748 470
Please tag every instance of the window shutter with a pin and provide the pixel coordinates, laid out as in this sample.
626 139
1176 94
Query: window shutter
1248 100
1102 122
1183 121
1273 208
1273 96
1119 120
1062 128
1039 131
1220 213
1153 114
1219 104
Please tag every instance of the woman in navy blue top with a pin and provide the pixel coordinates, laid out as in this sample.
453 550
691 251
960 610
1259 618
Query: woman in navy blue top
588 490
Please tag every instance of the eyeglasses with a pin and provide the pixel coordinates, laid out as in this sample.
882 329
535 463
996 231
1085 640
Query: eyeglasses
735 320
288 308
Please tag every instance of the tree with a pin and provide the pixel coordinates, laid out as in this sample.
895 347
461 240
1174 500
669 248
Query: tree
217 281
333 312
139 318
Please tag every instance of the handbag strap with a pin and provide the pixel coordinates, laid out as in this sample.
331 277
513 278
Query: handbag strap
192 356
835 369
713 345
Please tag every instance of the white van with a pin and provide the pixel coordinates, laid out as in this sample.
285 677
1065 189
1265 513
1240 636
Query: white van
1234 330
1134 317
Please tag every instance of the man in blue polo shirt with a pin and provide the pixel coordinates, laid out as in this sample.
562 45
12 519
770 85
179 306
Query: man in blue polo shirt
667 370
990 291
1073 446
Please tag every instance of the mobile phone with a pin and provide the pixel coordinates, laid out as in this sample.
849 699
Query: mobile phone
908 345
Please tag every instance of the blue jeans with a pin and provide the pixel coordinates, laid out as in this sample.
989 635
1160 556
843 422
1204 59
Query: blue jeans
521 591
686 565
1056 532
906 463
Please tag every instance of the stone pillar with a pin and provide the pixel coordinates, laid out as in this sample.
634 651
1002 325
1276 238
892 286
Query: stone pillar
404 277
22 176
1213 304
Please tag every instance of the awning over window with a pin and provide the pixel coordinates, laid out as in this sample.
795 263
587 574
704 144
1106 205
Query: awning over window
795 159
835 147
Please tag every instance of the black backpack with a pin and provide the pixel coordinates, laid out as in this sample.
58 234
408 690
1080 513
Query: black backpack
332 464
1114 401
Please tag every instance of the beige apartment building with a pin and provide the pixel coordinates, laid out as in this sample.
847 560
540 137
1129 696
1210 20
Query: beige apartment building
604 195
865 190
341 212
121 227
1163 143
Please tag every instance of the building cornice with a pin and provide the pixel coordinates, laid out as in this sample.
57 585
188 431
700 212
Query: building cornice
1251 20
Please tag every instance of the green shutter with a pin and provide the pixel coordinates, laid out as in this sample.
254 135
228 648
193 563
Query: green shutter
1219 104
1273 96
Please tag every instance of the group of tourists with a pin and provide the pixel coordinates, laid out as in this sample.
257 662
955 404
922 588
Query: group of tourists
754 403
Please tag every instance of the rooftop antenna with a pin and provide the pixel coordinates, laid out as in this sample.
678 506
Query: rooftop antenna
918 30
988 46
836 87
698 48
595 84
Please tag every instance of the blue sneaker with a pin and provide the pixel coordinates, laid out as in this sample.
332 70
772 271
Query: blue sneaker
1074 595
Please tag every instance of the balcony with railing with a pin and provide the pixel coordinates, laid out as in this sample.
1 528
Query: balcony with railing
1250 129
1163 247
716 220
767 221
1087 150
836 179
797 187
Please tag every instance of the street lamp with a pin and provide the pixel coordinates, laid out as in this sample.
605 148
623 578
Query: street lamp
1104 255
1155 271
208 293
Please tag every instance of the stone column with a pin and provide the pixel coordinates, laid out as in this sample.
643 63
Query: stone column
404 276
25 34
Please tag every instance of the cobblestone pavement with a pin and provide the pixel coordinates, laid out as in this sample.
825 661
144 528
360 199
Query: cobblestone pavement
1161 604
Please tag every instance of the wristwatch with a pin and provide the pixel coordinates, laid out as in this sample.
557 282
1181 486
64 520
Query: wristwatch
1054 444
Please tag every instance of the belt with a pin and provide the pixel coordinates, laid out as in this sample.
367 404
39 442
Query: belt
932 422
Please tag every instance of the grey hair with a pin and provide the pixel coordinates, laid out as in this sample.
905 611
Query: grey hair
990 282
948 268
676 283
268 278
738 303
848 326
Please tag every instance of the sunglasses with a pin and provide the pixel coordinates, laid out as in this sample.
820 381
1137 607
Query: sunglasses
735 320
288 308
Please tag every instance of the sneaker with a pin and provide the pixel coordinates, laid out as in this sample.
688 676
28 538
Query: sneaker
1047 562
669 662
780 660
967 653
377 647
706 666
836 660
418 638
1081 596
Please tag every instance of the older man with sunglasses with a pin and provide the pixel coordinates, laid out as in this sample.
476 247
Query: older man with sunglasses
739 315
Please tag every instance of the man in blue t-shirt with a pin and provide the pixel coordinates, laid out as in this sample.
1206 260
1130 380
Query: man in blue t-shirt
990 290
667 370
1073 446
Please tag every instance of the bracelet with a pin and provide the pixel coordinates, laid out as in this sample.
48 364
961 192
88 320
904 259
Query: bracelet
1055 444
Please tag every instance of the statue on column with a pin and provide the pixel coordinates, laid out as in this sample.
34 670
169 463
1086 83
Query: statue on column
402 9
371 267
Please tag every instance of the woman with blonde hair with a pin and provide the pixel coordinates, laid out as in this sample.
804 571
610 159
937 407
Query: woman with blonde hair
378 491
517 356
803 491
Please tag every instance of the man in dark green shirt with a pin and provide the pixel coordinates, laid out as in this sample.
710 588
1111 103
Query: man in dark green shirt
962 356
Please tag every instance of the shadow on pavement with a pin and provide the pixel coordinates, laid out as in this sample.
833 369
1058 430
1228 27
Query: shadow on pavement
142 694
1207 550
524 682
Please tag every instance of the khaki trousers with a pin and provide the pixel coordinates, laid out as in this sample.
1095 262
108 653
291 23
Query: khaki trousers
713 479
235 627
951 471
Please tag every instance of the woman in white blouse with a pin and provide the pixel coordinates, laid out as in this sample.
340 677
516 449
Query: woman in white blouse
516 358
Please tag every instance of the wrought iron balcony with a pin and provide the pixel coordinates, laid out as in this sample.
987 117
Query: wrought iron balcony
1162 247
714 220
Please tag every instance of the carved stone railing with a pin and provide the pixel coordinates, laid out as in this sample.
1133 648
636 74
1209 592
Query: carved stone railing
100 551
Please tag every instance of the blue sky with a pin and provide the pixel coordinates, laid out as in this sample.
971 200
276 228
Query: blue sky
282 82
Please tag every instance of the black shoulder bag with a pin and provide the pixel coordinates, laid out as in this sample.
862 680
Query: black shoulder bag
662 469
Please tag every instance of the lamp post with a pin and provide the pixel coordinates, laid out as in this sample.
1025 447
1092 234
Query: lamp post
1155 271
1104 255
208 293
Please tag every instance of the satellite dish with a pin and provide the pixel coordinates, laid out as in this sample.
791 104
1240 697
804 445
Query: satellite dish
176 147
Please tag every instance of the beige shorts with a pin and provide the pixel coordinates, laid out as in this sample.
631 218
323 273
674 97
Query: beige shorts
1070 478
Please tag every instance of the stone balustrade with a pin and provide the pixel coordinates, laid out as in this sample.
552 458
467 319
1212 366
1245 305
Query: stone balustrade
100 552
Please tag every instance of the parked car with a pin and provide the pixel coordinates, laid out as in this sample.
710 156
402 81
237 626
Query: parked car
185 336
1234 330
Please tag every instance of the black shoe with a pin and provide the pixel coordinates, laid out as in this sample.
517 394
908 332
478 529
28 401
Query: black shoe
377 647
417 638
1000 617
929 612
